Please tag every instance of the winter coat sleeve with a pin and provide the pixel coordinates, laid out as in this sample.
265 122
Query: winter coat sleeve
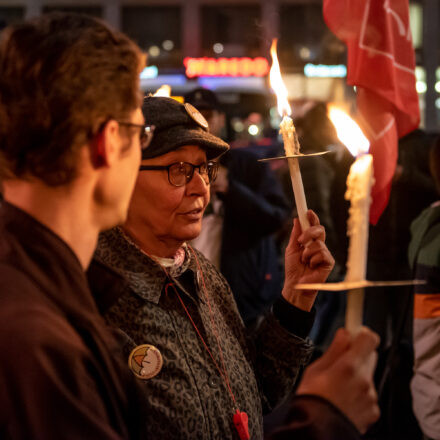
314 418
50 383
276 354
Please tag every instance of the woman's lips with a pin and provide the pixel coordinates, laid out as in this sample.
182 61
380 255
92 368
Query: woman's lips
193 214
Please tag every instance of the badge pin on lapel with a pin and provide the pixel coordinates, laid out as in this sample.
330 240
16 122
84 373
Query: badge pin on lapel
145 361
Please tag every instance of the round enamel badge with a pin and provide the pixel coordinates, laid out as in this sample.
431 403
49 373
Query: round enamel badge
145 361
196 115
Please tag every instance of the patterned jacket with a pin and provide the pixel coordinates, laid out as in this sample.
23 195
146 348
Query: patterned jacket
188 399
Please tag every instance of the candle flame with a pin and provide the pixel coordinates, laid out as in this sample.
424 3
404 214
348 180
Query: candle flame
349 133
277 84
164 91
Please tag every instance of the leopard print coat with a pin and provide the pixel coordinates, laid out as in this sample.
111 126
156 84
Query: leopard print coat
188 399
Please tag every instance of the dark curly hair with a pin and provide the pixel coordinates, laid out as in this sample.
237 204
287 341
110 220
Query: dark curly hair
61 77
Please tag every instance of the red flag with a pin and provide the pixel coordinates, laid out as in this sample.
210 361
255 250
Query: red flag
381 65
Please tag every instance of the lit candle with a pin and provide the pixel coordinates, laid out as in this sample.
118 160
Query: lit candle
359 183
290 138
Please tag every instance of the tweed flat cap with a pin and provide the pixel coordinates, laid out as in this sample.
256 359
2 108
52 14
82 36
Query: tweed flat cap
177 125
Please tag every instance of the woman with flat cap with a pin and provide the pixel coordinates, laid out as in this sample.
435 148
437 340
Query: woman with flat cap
204 378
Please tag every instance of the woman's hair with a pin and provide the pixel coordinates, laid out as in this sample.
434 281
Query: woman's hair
61 77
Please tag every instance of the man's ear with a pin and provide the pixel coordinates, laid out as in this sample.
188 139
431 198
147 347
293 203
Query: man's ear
106 145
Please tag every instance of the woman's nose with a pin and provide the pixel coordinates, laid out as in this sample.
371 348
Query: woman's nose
199 184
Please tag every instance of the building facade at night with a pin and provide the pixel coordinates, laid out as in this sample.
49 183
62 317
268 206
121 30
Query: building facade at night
311 57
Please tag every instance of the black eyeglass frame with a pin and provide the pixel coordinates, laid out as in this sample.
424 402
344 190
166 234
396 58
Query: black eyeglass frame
146 132
211 170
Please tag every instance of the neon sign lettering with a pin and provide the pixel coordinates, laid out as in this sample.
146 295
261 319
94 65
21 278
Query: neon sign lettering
226 67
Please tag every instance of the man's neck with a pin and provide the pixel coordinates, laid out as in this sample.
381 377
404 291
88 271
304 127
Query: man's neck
65 210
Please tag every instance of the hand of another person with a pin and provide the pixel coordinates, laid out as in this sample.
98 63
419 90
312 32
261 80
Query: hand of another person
307 260
221 183
344 376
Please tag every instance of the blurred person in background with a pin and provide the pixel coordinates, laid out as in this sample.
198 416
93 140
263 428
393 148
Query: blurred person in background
71 133
424 259
178 322
413 190
388 310
246 209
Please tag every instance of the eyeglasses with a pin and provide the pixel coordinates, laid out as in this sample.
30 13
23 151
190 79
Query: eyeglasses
145 132
181 173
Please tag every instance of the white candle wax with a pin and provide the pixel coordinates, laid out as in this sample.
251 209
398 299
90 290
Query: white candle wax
291 147
359 183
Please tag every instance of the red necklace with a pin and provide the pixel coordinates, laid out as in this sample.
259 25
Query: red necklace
240 418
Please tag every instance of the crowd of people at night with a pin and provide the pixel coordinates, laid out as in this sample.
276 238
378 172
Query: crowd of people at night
148 267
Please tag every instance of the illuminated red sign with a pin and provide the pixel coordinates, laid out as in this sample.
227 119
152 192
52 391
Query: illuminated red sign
226 66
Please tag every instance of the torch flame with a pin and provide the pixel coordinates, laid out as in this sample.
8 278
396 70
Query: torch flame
277 84
349 133
164 91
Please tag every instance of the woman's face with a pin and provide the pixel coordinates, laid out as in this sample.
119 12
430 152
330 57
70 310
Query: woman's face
161 211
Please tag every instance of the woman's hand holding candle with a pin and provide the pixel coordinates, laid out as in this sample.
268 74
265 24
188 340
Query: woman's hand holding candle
307 260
